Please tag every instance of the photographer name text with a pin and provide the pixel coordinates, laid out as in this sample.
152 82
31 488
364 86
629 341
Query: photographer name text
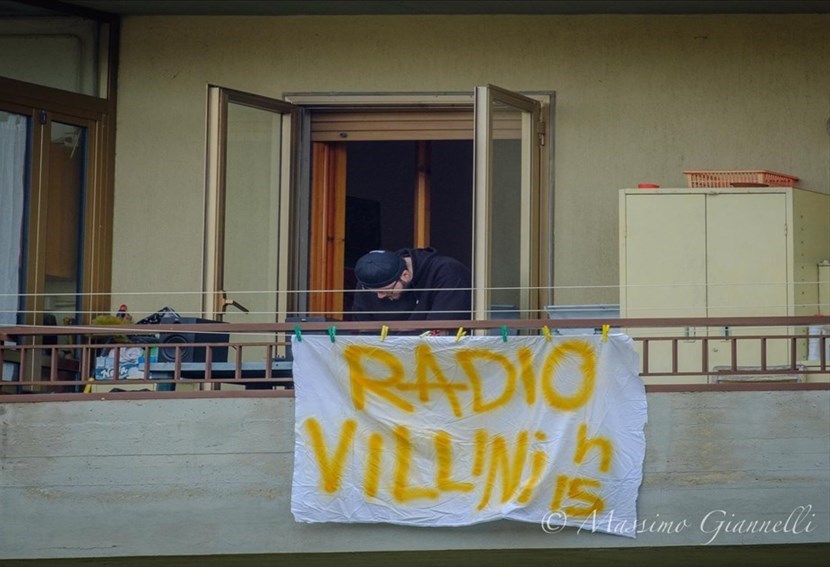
713 525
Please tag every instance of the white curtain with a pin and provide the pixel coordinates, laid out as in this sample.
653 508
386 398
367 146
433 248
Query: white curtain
12 191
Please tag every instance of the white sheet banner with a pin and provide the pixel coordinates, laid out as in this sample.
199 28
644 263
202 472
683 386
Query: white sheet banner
438 432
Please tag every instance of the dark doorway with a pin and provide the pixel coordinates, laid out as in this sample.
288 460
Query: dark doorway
383 173
371 195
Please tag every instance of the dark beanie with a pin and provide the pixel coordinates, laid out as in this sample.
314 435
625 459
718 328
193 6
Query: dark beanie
379 268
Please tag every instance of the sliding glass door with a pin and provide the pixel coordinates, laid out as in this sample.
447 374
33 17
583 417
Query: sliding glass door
55 206
44 186
64 232
54 216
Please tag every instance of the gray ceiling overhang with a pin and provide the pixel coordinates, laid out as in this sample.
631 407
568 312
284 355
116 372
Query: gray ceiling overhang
94 8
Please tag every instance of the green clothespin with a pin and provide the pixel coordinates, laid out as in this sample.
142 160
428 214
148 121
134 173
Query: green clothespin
332 332
504 333
298 333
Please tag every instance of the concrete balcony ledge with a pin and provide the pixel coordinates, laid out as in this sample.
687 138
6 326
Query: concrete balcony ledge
212 477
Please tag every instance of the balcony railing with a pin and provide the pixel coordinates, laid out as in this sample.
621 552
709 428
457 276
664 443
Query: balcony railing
229 360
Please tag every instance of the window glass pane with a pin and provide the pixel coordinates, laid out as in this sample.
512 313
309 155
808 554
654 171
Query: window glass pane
64 222
505 263
13 134
53 52
506 184
252 212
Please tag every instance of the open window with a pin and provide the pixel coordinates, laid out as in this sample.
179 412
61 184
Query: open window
394 171
458 172
507 154
247 214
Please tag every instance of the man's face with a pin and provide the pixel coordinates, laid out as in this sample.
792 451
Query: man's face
396 289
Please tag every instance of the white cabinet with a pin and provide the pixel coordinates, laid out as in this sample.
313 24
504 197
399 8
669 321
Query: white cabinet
721 253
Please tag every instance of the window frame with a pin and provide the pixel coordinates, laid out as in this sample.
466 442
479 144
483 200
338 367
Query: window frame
312 104
214 299
43 105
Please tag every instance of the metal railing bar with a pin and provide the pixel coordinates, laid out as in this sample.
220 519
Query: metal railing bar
763 353
269 356
31 357
704 355
209 362
53 365
238 368
793 352
674 356
144 395
375 326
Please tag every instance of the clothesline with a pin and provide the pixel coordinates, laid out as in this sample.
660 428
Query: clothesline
494 288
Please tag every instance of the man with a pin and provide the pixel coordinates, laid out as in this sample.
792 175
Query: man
411 284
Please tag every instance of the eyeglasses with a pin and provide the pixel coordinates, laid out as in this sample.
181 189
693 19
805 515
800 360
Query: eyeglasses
386 290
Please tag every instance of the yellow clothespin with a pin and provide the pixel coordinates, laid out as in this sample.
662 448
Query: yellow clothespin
605 329
546 332
461 332
383 332
88 387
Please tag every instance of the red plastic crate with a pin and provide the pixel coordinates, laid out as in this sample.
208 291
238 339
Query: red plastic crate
739 178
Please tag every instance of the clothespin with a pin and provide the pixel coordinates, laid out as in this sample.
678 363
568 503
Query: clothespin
383 332
546 332
332 332
88 387
461 332
605 329
298 333
504 333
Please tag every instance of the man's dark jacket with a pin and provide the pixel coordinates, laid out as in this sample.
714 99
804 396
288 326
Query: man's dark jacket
440 289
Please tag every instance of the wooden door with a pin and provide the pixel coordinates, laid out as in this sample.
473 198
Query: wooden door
328 229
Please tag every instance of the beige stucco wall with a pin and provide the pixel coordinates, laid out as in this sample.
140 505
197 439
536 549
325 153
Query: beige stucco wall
639 98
